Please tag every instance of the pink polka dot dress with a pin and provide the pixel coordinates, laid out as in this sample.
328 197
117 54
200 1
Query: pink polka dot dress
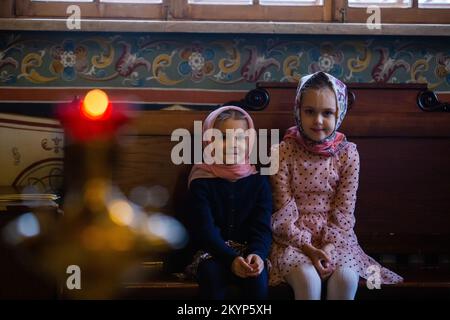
314 199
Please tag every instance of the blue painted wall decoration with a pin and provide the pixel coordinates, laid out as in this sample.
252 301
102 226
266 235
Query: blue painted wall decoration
215 61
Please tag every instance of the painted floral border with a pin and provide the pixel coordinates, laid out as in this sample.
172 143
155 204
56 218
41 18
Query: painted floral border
217 62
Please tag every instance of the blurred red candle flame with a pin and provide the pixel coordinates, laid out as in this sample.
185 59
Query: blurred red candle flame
92 118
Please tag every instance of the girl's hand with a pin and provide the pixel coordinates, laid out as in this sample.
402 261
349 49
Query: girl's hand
240 267
321 261
328 248
256 263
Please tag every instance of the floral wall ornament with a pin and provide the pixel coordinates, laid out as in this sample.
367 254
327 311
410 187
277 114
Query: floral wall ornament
16 155
128 62
361 61
443 66
162 63
256 65
419 68
31 152
197 62
386 66
215 62
29 64
291 65
326 59
6 61
69 60
57 144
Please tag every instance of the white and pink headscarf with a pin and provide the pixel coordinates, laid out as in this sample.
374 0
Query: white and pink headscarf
231 172
337 140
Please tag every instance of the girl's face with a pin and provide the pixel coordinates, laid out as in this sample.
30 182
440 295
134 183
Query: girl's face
235 153
318 113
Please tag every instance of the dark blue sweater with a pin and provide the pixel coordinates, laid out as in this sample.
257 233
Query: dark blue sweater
221 210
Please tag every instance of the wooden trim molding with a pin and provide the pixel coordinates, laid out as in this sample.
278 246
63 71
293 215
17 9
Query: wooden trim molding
255 13
147 95
228 27
26 8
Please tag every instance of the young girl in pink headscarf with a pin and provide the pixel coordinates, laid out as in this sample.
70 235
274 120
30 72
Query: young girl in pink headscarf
314 199
229 213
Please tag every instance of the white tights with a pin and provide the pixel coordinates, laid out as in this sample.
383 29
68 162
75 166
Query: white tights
306 283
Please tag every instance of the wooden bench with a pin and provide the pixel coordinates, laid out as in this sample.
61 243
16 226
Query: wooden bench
403 211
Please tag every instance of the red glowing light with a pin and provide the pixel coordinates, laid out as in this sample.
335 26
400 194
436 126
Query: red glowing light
93 118
95 104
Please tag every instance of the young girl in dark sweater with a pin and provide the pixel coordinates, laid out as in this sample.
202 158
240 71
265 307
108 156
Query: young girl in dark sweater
229 214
